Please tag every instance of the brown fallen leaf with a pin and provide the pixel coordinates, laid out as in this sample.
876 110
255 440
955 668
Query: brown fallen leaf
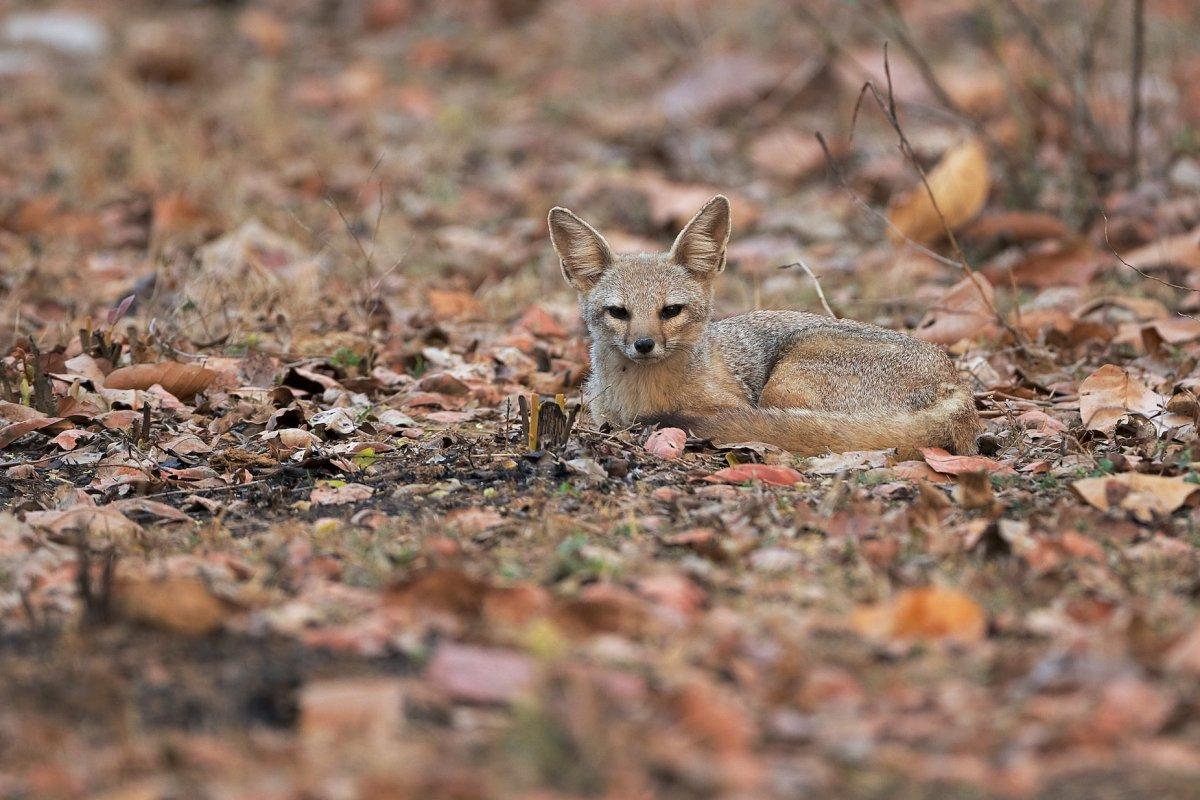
787 154
1146 497
927 613
1178 251
1016 227
960 183
1110 393
964 311
337 493
919 471
182 380
765 473
449 304
1053 264
941 461
176 604
667 443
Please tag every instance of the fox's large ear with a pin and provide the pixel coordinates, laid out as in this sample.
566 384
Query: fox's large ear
700 246
582 251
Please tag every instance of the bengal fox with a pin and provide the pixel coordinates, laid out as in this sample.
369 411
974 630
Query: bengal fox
806 383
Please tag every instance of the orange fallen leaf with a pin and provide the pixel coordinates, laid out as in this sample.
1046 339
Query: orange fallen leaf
947 464
960 183
766 473
182 380
178 604
1109 394
1016 226
927 613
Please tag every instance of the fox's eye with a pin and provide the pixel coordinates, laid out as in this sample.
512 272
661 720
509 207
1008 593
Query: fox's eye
617 312
670 311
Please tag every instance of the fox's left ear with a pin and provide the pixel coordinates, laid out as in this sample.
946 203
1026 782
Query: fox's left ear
700 246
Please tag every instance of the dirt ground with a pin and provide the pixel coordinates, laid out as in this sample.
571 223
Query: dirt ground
274 275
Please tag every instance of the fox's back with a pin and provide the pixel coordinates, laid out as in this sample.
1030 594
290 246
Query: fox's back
793 358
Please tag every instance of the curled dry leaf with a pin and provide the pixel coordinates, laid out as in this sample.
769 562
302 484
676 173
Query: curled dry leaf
1017 227
1110 393
963 312
1173 251
182 380
960 183
765 473
1144 496
927 613
177 604
667 443
941 461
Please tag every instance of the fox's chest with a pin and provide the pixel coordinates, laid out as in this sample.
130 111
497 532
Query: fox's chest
624 393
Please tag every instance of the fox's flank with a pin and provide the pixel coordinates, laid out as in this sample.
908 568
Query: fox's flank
804 382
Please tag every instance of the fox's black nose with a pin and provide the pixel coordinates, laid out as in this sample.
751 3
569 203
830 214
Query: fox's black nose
644 345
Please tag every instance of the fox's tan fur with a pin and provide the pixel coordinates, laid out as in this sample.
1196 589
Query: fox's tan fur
807 383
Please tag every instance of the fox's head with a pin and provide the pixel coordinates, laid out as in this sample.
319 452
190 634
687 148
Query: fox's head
645 306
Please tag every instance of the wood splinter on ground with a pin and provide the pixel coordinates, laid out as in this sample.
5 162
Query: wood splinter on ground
546 426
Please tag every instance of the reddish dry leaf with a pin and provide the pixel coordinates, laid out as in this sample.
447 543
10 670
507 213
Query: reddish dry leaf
177 604
70 439
965 311
667 443
941 461
541 322
449 304
10 433
1110 393
928 613
482 675
787 153
714 84
182 380
765 473
1146 497
15 412
960 184
1040 421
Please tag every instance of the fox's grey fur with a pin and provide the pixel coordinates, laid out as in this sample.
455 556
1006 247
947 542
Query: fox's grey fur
807 383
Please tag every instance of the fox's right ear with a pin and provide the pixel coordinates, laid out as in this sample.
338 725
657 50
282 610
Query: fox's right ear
582 251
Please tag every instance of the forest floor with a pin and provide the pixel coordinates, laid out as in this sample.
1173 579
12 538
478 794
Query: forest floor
274 274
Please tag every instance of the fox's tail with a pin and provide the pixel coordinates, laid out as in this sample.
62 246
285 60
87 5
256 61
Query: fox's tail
950 423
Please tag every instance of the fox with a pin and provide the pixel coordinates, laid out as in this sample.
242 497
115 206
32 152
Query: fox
806 383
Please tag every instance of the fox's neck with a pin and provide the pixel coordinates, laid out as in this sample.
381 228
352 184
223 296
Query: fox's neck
624 391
